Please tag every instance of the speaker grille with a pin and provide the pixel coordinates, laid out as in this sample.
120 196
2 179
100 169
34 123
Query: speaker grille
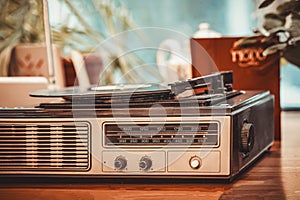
44 146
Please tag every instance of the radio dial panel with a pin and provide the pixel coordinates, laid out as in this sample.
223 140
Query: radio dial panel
141 134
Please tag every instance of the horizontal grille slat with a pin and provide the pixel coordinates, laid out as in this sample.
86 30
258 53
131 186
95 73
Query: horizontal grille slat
12 153
15 165
40 145
45 166
20 160
44 146
42 156
30 148
42 141
38 137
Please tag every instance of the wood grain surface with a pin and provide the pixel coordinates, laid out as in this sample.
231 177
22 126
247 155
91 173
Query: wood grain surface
275 176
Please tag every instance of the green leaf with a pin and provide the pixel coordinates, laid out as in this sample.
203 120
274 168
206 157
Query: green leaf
265 3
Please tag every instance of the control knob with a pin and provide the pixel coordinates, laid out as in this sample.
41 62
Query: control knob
120 163
145 163
247 137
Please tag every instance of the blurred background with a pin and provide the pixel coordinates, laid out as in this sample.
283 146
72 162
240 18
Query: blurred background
89 26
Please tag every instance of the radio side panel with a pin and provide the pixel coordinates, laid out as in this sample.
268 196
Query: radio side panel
253 132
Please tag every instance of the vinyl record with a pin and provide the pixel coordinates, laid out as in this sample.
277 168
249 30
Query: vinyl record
106 91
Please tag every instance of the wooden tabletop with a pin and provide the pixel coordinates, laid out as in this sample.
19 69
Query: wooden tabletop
275 176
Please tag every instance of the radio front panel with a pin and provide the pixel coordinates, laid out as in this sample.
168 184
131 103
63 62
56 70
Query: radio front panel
109 147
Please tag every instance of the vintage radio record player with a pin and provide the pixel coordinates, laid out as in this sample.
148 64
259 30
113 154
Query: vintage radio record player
197 129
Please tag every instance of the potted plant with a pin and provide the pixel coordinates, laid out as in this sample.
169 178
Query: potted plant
84 37
22 23
280 32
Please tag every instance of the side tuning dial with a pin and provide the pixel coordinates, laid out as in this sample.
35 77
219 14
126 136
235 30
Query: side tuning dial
247 137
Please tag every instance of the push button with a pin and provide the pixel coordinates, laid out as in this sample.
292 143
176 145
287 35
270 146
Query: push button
195 162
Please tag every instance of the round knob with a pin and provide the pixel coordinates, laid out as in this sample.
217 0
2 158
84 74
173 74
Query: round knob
120 163
195 162
247 137
145 163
